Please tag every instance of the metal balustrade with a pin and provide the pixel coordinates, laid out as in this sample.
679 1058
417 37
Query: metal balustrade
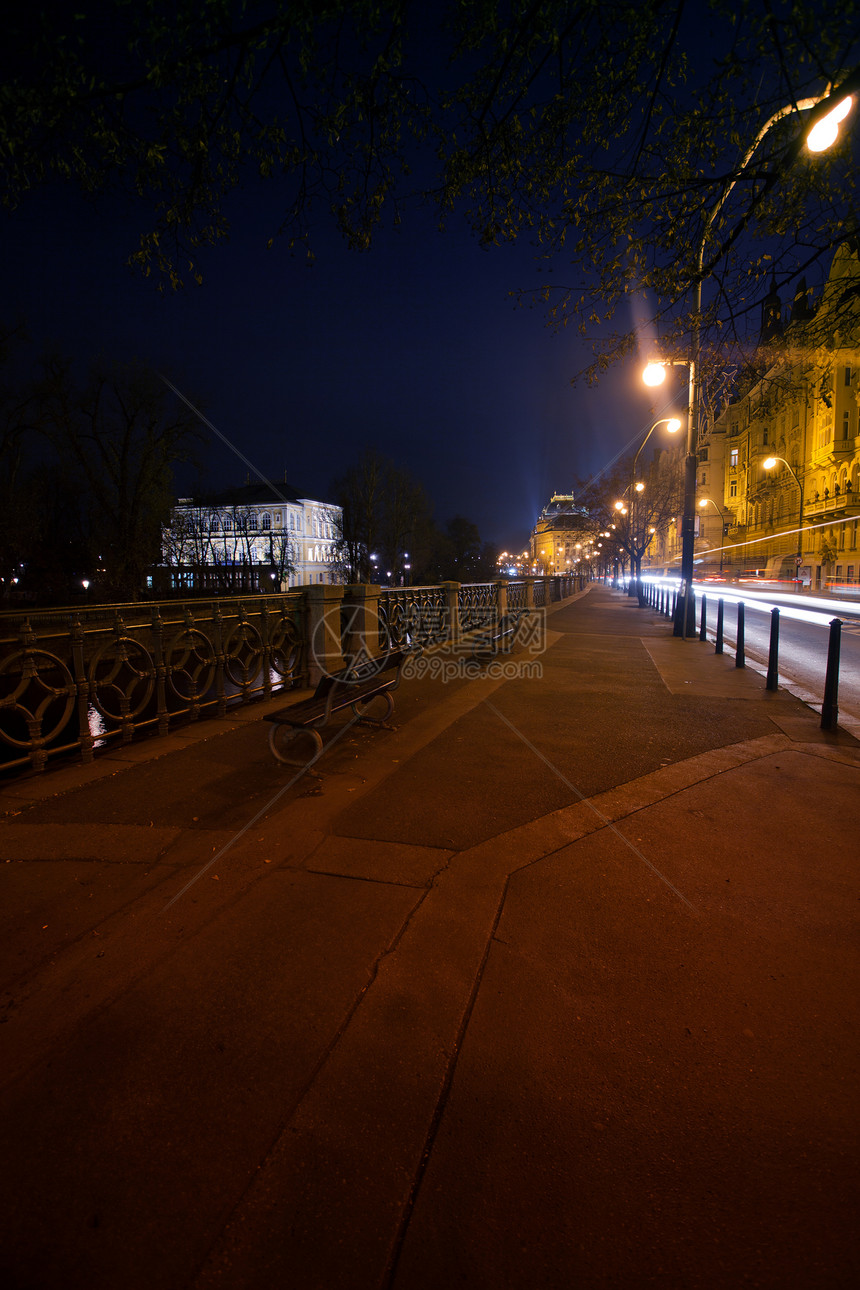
476 603
82 679
413 617
76 681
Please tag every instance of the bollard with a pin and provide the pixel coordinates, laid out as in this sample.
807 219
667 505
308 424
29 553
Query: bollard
772 682
740 661
703 624
721 607
830 706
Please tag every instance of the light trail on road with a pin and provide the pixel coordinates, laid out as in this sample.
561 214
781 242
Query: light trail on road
803 639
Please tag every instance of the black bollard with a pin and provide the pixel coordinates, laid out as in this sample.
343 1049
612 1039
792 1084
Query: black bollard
830 706
740 661
772 682
721 606
703 624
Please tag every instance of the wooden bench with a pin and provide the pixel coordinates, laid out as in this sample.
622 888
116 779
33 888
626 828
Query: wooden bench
499 636
355 687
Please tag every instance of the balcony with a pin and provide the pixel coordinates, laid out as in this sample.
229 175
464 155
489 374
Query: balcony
844 505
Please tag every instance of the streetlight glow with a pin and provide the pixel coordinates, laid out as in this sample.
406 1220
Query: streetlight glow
654 374
825 131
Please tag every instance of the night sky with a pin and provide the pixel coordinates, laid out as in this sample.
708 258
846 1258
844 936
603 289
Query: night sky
414 348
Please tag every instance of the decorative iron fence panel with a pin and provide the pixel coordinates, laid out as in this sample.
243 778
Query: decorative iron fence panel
478 605
79 680
516 597
413 617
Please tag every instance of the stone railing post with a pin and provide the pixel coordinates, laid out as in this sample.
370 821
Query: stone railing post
361 620
452 605
324 645
501 598
530 592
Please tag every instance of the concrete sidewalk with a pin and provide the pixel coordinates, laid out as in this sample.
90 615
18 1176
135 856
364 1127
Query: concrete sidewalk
554 985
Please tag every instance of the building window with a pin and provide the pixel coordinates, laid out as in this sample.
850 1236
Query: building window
265 520
733 488
846 424
703 454
252 521
847 375
733 458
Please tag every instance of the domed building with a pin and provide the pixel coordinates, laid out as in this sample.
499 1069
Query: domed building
562 536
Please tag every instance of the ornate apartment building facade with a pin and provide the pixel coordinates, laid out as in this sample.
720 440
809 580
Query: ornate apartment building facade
259 536
782 460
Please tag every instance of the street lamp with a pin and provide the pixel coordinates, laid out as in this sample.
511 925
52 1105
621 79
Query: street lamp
820 136
769 463
704 502
673 425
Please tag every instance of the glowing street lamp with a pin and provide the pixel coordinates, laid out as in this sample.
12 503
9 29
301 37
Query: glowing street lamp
702 504
826 129
673 425
654 374
818 139
769 463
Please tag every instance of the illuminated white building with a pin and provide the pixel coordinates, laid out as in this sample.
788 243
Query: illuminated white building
259 535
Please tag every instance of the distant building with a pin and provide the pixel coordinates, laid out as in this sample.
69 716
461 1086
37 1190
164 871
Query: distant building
561 537
257 537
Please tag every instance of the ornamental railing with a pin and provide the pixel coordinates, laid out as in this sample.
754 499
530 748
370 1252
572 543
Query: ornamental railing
77 681
413 617
74 681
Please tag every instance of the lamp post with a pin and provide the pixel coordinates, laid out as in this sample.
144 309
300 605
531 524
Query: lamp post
704 502
822 134
769 463
673 425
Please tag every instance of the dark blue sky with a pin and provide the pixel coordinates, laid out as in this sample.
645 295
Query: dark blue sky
414 348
